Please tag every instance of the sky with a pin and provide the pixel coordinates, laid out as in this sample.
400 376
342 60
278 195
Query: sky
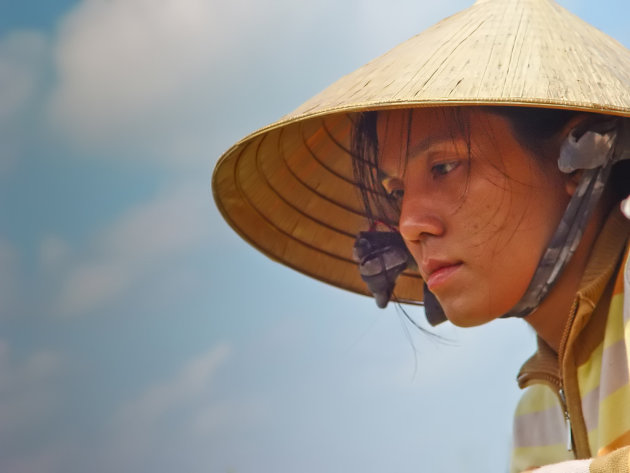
138 332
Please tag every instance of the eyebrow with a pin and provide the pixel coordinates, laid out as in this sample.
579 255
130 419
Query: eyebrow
382 175
424 145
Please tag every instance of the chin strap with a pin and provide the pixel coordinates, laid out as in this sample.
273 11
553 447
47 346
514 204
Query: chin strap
594 153
625 207
564 242
382 257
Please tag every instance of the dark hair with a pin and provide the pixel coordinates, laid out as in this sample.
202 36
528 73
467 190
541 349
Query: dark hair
536 129
364 149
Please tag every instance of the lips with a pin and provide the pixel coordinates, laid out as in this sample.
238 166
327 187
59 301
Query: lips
438 272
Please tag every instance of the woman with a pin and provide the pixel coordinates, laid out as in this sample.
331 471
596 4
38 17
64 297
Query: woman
427 159
479 197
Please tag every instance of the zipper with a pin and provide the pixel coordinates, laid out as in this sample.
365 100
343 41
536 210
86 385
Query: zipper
554 381
556 385
567 420
561 353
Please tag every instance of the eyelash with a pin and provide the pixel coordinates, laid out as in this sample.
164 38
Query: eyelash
438 170
392 187
442 169
396 194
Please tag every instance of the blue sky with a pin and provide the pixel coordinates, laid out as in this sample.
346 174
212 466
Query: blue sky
138 333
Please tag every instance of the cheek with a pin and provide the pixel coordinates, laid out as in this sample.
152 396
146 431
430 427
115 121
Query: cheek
513 215
486 218
509 277
494 282
505 237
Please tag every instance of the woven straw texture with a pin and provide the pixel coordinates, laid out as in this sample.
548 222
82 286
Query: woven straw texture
288 189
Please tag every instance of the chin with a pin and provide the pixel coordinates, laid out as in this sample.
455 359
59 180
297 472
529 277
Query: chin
465 322
467 316
467 309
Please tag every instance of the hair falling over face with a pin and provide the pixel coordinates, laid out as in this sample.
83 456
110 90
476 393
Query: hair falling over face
533 128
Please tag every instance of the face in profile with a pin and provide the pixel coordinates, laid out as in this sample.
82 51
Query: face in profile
477 208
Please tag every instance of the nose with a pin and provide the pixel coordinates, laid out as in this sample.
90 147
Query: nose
419 218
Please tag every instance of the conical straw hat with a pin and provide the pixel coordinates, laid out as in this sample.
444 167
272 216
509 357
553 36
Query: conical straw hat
288 189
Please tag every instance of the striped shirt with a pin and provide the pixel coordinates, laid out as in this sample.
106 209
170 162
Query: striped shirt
576 403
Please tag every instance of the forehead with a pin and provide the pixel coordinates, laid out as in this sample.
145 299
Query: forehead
408 133
435 118
433 122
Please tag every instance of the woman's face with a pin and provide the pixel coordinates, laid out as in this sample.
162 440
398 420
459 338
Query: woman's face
477 209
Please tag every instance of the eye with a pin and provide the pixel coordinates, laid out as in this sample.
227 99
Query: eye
393 188
396 194
442 169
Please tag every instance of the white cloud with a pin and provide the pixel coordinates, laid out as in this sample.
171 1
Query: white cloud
141 75
21 56
33 370
93 284
141 241
190 385
179 423
29 401
50 459
159 416
9 287
26 396
53 251
215 419
121 61
22 61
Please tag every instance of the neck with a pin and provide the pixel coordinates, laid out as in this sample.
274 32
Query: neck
551 317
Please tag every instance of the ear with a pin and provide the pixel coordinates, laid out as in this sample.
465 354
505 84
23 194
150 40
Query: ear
580 122
571 181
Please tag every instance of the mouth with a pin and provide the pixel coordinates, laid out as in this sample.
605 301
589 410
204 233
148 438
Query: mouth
439 272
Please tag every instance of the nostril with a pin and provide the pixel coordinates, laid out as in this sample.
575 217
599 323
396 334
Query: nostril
407 233
415 227
410 232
